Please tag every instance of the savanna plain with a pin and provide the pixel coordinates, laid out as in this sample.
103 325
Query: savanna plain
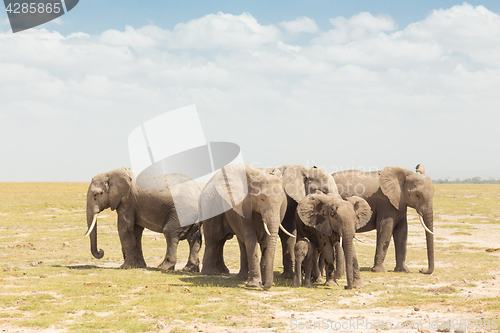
49 280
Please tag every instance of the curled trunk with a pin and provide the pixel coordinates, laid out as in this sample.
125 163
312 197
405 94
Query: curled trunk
93 234
429 222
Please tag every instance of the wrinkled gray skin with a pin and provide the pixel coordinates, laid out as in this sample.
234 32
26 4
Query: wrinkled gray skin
305 256
265 203
216 231
299 181
138 208
324 219
389 192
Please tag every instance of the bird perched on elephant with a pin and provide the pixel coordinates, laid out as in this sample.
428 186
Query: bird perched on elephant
298 182
249 202
389 193
327 220
142 202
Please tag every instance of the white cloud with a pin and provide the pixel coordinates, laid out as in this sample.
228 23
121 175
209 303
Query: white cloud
361 26
222 30
363 81
301 24
462 30
213 31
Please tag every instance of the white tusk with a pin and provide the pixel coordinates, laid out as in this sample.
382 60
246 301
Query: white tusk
92 226
359 240
265 227
286 232
340 241
423 225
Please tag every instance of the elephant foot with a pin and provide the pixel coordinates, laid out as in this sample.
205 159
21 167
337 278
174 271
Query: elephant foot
191 268
254 283
126 266
402 268
130 265
206 271
379 269
308 284
358 284
242 276
287 275
221 269
212 271
330 283
166 266
317 279
337 275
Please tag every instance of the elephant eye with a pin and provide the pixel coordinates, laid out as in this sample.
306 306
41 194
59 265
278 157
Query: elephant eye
418 196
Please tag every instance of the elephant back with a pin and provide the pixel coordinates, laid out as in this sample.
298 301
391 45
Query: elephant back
358 183
185 194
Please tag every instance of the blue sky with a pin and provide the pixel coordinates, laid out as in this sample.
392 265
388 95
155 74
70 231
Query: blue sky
361 84
96 16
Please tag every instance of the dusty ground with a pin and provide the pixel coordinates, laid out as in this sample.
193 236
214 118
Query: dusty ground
483 236
418 319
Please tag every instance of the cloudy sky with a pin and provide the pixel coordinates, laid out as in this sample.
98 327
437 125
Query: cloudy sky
358 85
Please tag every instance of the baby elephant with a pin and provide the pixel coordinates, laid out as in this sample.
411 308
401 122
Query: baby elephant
305 254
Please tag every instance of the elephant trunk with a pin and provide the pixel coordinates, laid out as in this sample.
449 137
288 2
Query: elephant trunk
91 215
273 225
347 246
429 222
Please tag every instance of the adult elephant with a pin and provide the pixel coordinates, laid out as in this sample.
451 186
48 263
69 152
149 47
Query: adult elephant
298 182
151 206
327 220
389 192
251 202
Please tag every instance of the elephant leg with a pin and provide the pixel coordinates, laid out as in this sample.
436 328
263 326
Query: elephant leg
139 259
339 262
287 244
243 273
172 239
400 236
127 239
384 232
195 241
328 256
318 267
297 279
215 234
253 260
311 257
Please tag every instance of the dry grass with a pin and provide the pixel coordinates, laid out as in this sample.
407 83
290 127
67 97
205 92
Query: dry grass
49 279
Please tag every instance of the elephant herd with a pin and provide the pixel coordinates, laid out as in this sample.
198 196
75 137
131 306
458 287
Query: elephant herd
315 214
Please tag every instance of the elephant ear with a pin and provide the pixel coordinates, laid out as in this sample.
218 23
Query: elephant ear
313 212
362 210
391 182
119 183
420 169
231 184
293 181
